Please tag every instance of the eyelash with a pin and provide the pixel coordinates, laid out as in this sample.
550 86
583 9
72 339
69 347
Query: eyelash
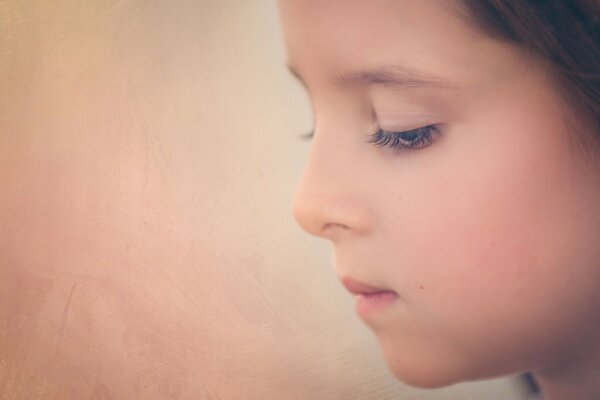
397 141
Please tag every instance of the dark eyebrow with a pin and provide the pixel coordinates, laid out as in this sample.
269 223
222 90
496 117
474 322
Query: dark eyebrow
392 75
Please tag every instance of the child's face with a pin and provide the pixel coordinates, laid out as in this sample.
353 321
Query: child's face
490 233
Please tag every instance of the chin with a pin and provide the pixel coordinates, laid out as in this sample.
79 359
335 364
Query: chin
424 378
431 371
438 372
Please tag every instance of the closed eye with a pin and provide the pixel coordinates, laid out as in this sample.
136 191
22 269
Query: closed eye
413 139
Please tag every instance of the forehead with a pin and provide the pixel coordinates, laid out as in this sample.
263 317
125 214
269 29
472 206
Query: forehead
326 38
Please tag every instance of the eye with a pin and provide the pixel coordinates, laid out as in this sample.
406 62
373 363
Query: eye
414 139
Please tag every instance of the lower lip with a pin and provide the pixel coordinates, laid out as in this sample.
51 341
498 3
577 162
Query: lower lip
368 304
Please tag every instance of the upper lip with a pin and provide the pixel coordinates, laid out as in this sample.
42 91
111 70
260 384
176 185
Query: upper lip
356 287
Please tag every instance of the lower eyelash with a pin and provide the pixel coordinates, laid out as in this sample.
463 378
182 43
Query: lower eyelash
398 141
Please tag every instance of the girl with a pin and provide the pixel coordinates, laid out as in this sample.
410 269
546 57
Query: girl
455 168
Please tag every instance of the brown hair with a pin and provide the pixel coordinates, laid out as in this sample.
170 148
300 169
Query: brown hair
563 34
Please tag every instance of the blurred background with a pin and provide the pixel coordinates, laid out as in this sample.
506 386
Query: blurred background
149 151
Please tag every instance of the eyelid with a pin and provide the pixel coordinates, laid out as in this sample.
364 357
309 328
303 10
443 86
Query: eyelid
428 127
394 141
411 121
405 121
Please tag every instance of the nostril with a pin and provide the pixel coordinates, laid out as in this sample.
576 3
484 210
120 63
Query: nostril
332 226
331 230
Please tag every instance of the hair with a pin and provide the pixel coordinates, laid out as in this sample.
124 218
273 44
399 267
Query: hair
562 34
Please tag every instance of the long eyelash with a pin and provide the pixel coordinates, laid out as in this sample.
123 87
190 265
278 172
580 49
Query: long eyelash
395 140
398 141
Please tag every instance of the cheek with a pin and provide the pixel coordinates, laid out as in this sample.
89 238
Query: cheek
500 201
474 222
497 250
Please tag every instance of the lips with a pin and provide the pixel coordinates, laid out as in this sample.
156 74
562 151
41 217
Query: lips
358 288
371 301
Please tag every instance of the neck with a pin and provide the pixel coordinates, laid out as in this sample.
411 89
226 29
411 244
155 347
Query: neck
573 379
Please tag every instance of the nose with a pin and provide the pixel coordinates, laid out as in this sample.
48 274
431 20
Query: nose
330 200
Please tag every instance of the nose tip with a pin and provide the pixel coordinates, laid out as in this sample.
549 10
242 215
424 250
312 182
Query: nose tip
307 215
327 214
311 215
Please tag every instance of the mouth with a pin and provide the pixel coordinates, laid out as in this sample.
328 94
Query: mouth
369 299
359 288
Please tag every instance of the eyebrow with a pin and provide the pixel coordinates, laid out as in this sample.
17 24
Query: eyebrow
391 75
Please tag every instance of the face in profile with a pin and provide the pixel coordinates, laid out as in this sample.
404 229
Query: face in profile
446 176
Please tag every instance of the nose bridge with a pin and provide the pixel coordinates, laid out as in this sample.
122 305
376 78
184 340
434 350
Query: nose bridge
328 200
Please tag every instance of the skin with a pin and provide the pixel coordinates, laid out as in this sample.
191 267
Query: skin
490 233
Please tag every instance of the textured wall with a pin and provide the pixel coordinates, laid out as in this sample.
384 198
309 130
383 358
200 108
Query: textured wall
148 155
